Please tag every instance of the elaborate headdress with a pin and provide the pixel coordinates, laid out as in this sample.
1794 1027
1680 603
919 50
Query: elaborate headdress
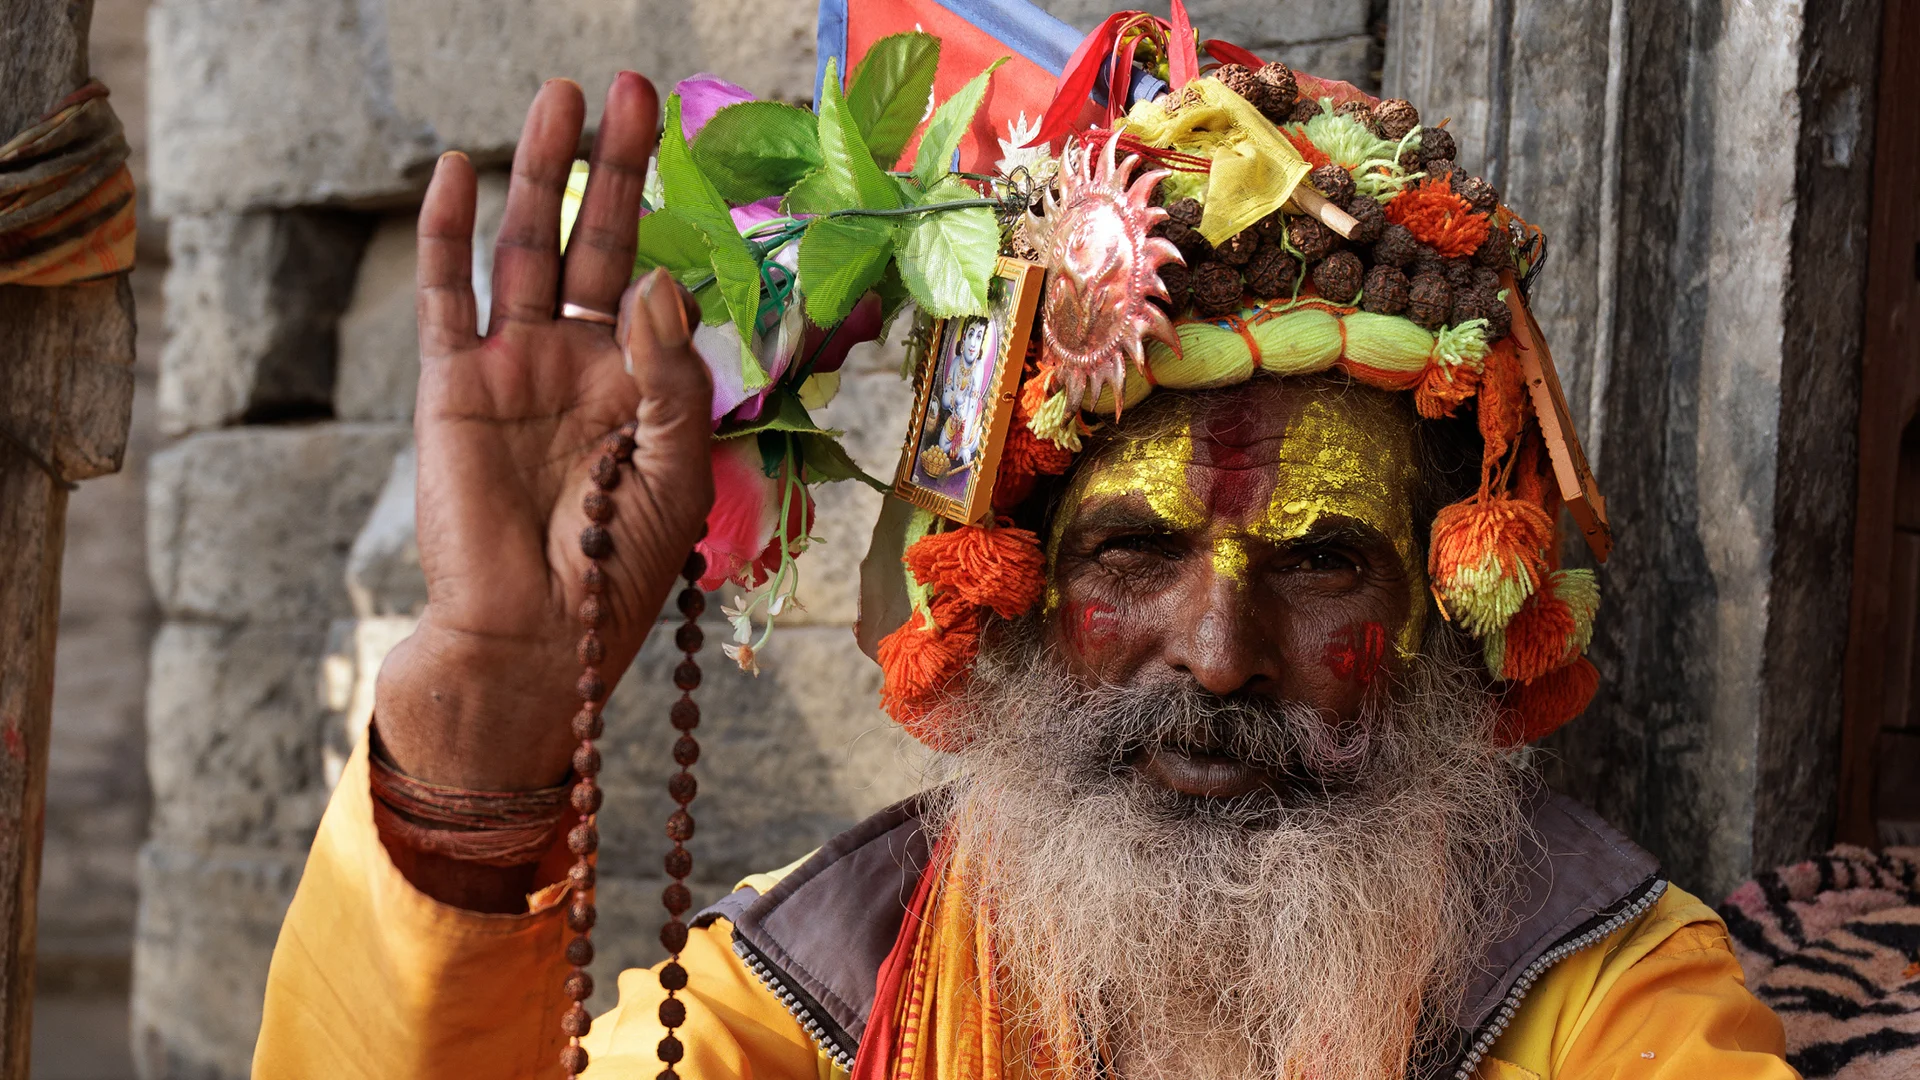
1220 217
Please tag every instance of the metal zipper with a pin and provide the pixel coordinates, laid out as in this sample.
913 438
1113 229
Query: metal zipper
769 977
1491 1031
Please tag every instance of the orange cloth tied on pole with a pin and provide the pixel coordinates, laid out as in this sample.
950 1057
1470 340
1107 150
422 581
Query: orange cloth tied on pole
66 197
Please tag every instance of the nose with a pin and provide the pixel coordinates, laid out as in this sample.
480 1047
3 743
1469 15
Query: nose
1221 641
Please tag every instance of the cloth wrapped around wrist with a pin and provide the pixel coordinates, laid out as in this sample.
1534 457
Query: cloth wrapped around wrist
488 828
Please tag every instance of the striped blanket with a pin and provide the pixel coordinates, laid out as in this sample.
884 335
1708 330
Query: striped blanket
1833 945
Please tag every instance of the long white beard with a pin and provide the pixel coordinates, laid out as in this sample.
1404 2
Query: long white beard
1327 932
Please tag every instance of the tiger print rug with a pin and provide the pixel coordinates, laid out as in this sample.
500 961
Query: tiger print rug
1833 945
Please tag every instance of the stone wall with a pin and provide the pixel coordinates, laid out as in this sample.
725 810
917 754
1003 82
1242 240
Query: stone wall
1702 172
291 141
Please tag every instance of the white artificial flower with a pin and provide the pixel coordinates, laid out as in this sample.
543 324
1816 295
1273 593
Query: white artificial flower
743 656
1013 149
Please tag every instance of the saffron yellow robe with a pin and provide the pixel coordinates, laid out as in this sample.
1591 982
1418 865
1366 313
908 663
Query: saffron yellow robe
371 979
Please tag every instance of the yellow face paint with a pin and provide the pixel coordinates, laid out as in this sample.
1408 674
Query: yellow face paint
1349 457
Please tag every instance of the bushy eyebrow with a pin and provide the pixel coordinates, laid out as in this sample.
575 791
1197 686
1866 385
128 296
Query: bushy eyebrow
1119 514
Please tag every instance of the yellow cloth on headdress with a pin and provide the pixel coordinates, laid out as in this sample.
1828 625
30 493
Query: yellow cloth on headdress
1255 168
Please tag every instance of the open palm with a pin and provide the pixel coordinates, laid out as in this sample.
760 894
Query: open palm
508 427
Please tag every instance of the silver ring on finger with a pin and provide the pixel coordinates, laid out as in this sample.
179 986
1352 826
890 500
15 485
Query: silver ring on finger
586 314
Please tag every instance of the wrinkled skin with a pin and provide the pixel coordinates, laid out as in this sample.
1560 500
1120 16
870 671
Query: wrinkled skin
1258 543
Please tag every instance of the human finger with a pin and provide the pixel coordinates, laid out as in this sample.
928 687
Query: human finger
443 275
599 255
676 393
526 258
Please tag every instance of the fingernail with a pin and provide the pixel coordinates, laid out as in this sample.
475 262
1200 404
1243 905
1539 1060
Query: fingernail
461 154
668 315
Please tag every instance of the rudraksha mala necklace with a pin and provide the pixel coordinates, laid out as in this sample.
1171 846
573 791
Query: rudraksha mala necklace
596 543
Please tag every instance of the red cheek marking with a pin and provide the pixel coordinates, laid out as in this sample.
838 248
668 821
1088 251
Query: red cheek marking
1089 625
1357 653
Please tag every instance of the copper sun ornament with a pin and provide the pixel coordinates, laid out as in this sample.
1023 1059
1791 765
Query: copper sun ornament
1104 270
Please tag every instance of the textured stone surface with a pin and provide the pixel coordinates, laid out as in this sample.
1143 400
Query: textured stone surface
383 566
1254 26
260 103
235 723
251 305
208 921
256 523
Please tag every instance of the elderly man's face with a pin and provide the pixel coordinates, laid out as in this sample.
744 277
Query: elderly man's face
1259 543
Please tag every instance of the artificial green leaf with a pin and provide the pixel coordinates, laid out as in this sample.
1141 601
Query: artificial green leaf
950 121
755 149
667 238
844 158
840 259
827 462
782 412
687 190
891 91
947 256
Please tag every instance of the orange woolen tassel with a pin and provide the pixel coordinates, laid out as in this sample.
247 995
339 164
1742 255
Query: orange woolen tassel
1435 215
921 661
1486 556
1315 156
1550 629
1532 711
994 567
1438 395
1502 404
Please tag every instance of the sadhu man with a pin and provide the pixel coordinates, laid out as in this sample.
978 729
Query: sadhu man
1233 801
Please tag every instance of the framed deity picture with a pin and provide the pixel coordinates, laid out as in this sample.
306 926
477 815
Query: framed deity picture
965 386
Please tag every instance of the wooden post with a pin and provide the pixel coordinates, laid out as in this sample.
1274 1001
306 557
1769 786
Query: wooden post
66 393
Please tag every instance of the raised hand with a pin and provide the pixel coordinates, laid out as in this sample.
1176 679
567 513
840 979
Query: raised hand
508 426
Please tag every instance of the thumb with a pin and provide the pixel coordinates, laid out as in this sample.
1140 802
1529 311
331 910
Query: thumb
657 317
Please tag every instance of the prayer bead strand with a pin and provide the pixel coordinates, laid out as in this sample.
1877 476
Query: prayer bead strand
681 788
596 543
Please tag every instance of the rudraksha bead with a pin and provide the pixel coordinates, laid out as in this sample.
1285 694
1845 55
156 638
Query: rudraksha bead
695 567
1241 80
693 603
1304 109
593 579
1479 194
1394 117
591 612
682 787
1429 301
1385 292
673 935
588 724
1496 251
676 898
1238 248
670 1050
581 875
673 976
590 686
1186 211
686 675
1282 90
586 760
1436 144
573 1059
1310 238
1178 281
579 985
678 863
1370 220
606 474
580 952
685 714
1337 277
1358 111
586 797
1333 181
577 1021
583 839
598 507
595 542
1396 247
618 446
688 638
591 649
581 915
673 1013
680 826
1216 289
1272 273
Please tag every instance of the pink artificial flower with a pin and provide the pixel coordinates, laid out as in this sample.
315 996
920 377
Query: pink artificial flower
742 545
703 95
861 325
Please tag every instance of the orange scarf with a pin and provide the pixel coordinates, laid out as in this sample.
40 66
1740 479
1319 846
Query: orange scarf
935 1014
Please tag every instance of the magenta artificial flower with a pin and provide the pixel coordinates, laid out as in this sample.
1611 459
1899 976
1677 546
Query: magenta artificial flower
703 95
742 544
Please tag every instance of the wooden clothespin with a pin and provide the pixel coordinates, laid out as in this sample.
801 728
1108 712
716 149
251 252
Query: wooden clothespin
1578 489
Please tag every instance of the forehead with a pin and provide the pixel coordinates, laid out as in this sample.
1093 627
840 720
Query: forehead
1297 449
